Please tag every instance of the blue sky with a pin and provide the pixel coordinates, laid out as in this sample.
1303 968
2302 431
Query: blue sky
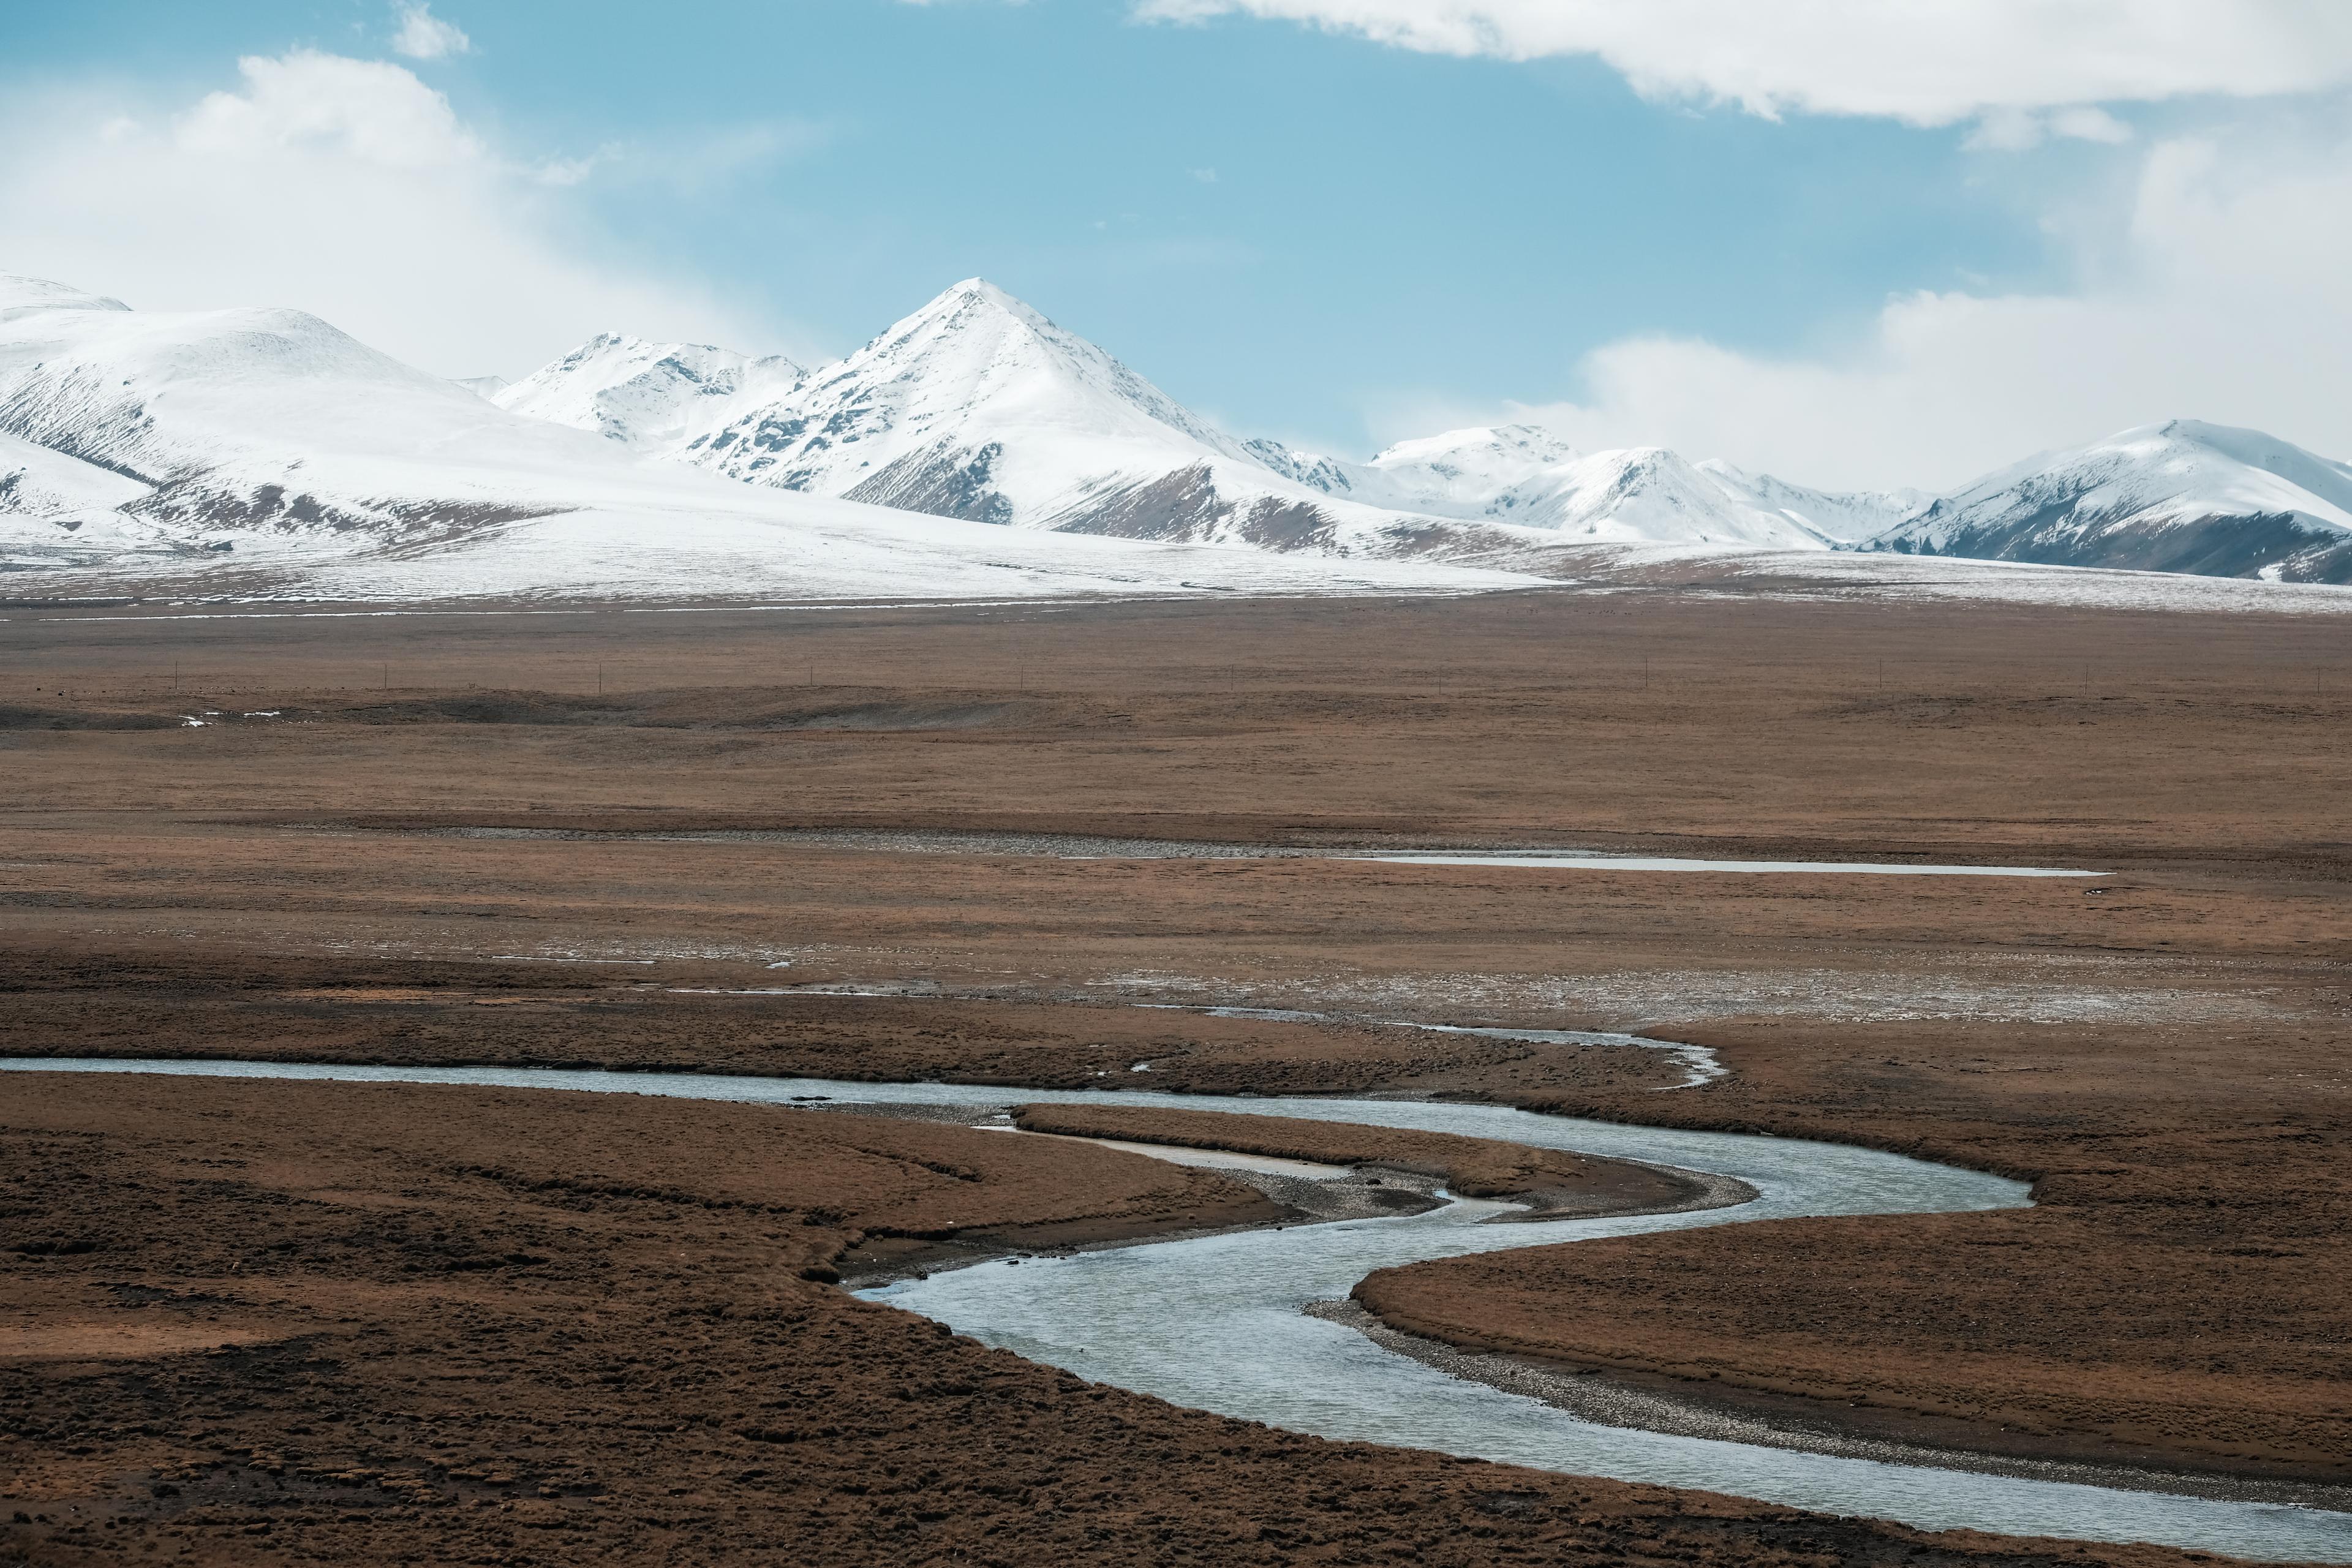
1300 230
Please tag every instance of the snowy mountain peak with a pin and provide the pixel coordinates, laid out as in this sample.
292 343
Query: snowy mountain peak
20 293
974 405
1649 493
2165 444
980 293
655 397
1470 471
1467 473
2182 496
974 343
1487 447
1528 476
1842 515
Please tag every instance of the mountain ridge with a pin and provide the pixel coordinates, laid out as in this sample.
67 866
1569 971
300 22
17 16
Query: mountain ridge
977 406
263 453
257 429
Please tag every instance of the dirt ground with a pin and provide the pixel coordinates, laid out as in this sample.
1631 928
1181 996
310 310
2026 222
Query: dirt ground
2161 1051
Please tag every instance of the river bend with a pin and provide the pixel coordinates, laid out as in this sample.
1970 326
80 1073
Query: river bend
1216 1322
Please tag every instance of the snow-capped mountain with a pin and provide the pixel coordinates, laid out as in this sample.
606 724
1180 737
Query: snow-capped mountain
267 451
1648 493
262 418
263 453
1842 515
977 406
1523 474
657 398
2179 497
1471 473
484 385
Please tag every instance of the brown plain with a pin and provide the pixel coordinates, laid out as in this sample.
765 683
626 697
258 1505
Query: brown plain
2163 1057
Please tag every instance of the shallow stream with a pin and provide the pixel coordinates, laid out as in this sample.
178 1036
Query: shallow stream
1216 1322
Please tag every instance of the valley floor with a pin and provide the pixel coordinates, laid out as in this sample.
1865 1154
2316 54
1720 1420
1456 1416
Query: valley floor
320 869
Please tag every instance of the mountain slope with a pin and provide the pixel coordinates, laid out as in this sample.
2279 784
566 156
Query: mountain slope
653 396
55 510
2179 497
37 482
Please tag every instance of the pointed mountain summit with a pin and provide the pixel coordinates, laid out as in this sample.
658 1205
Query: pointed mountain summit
978 406
971 366
2183 496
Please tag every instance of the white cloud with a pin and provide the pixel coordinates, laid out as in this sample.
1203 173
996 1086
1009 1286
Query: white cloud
362 112
2229 301
1925 62
424 37
344 188
2089 124
2016 129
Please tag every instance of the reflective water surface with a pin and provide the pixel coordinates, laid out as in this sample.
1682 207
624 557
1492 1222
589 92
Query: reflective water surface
1671 863
1215 1322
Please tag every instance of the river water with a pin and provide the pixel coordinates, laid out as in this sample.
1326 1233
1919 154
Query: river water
1216 1322
1538 860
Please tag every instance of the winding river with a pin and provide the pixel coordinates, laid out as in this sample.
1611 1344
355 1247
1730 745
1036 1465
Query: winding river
1216 1322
